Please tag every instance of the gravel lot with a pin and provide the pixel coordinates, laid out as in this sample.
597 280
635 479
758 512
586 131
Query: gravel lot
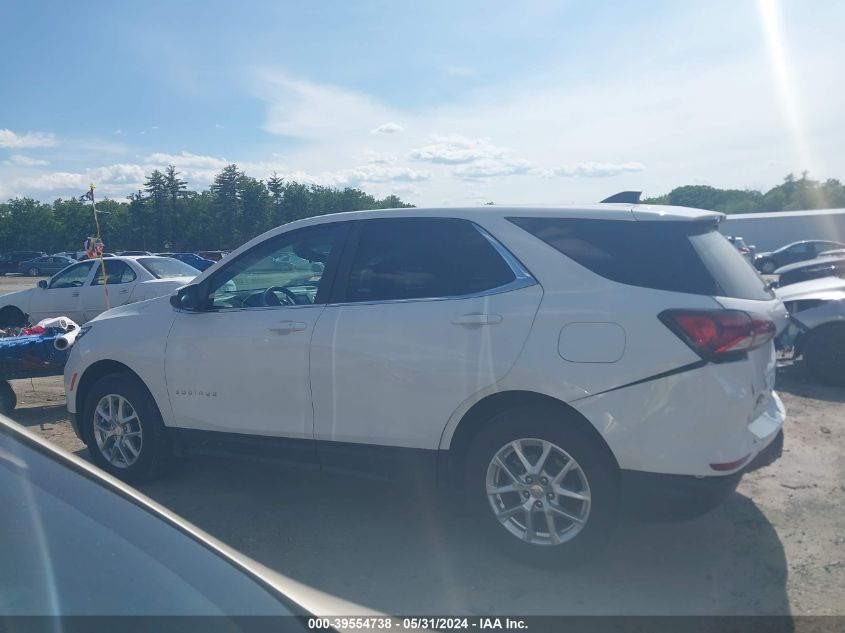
776 547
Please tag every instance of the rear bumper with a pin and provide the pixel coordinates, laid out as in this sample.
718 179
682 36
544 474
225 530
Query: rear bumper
679 497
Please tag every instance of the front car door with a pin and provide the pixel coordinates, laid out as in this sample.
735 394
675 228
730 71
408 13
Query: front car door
121 279
429 313
239 366
61 297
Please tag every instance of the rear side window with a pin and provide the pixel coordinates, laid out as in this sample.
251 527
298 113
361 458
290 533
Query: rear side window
418 258
690 257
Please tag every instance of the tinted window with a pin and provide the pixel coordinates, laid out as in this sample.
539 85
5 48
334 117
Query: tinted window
72 277
168 268
689 257
417 258
117 272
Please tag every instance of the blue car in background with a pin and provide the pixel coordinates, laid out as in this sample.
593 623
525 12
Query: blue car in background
192 259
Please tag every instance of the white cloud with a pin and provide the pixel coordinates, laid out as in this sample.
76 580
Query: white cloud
492 167
388 128
592 169
11 140
458 149
25 161
187 160
372 156
308 110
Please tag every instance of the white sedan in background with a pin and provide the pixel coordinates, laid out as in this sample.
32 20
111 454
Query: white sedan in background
77 291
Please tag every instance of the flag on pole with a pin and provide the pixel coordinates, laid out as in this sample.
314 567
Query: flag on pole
88 195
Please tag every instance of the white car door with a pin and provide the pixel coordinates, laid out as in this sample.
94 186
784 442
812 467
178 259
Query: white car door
61 297
239 365
121 280
433 311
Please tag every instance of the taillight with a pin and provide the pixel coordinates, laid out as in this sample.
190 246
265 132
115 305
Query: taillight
719 334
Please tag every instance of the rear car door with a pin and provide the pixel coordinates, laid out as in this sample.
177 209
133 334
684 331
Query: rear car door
429 311
121 280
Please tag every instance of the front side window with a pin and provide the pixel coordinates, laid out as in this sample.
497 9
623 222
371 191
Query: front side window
117 272
417 258
72 277
800 248
284 270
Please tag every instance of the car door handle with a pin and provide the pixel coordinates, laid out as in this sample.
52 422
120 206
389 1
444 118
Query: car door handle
478 319
74 294
124 291
288 326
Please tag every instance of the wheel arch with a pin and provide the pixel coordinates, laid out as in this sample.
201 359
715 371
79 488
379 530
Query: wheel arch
10 310
96 371
480 413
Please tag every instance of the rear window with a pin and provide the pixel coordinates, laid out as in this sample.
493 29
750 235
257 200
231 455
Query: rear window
167 267
690 257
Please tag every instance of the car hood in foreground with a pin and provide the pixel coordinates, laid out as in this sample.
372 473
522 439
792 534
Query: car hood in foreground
311 599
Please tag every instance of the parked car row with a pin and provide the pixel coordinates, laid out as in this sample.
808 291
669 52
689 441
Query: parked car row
77 290
39 263
768 262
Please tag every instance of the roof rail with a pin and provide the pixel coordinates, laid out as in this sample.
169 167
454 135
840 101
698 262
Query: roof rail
625 197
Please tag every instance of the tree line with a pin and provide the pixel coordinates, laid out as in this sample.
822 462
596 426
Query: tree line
168 216
792 194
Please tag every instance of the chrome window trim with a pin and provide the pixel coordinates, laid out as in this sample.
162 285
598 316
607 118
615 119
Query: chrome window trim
522 279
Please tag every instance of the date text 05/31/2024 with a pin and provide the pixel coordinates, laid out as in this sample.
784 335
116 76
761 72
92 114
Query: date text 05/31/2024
436 623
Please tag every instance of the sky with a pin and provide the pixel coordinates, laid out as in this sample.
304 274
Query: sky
439 102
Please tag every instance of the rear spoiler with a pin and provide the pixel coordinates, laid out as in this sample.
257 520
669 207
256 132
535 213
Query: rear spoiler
624 197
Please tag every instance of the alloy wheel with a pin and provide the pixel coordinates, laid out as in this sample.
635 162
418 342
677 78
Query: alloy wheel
538 492
117 431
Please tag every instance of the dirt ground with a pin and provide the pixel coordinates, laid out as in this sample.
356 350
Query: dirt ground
776 547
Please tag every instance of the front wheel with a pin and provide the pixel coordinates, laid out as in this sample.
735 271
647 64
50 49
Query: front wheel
768 267
123 430
545 489
824 353
34 272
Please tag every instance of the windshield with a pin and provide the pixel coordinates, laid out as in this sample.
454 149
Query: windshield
168 268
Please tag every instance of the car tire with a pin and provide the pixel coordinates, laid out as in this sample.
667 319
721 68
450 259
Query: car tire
8 398
768 267
12 316
137 449
592 474
824 353
34 272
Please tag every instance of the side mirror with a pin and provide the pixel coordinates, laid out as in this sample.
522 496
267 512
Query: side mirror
187 298
42 284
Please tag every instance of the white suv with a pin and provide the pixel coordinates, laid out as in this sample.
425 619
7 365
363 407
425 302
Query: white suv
551 364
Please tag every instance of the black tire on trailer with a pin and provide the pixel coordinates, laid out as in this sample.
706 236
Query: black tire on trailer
571 515
130 441
8 398
824 353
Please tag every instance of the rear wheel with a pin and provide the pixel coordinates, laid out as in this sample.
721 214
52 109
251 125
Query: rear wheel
543 488
122 427
824 353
